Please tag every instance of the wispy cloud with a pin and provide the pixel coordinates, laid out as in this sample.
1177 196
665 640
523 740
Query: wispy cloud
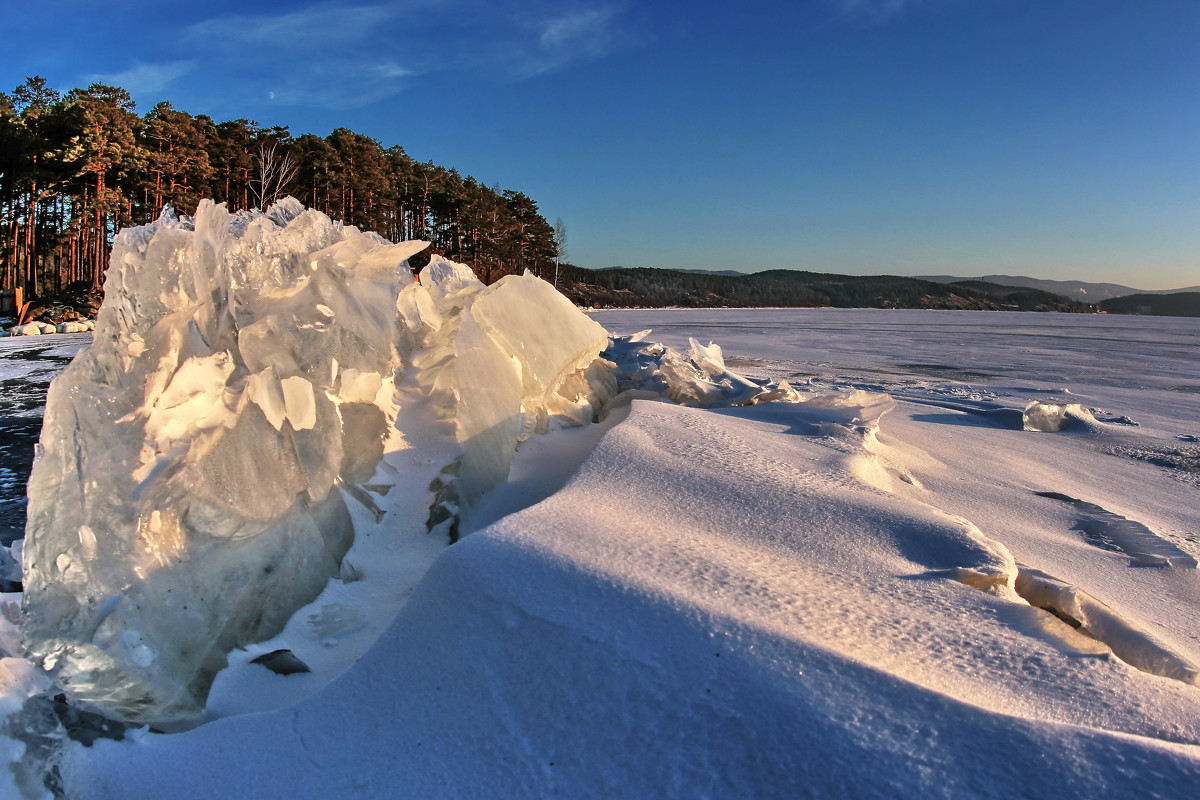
336 83
145 78
339 56
316 26
515 40
582 34
326 55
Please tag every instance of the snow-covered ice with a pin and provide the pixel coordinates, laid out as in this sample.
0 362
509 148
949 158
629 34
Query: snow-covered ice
957 559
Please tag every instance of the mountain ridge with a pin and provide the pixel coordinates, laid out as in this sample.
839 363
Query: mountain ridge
1086 291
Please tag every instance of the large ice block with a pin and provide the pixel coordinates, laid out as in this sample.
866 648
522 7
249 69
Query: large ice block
244 367
184 501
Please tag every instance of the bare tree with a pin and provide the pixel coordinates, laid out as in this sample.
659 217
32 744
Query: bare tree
275 173
560 246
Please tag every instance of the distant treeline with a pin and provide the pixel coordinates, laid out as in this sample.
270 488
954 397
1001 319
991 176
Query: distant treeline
643 287
1176 304
76 168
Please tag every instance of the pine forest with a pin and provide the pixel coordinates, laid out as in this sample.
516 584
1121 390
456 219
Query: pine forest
76 168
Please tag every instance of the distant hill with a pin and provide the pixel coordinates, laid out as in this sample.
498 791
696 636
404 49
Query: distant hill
1073 290
729 273
643 287
1176 304
1021 297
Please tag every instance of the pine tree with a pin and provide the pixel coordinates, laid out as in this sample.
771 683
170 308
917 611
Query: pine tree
108 155
178 170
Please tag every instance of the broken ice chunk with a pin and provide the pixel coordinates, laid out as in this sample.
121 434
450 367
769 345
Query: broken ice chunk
299 403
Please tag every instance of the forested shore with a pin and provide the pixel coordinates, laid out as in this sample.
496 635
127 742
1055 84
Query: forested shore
785 288
77 167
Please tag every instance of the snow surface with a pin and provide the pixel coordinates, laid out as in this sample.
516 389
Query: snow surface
833 597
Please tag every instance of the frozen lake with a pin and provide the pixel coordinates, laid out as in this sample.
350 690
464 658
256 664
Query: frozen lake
998 350
1144 368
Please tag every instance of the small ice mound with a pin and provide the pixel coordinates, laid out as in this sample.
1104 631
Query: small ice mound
1054 417
858 411
848 422
1128 642
504 362
698 378
985 563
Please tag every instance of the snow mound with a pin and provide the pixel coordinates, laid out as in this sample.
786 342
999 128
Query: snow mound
244 378
40 328
75 327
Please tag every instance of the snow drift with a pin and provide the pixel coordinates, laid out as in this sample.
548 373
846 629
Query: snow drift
244 378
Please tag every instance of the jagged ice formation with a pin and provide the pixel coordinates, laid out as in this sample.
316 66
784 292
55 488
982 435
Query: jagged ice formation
195 461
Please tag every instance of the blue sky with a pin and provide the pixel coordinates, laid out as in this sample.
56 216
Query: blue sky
1052 138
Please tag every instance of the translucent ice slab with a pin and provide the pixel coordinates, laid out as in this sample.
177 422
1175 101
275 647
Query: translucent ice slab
184 502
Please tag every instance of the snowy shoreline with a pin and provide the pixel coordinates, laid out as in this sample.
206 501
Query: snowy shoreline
646 595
